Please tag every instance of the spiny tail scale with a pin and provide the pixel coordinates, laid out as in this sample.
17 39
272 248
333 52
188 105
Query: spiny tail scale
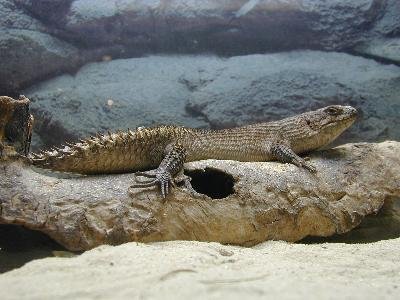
105 153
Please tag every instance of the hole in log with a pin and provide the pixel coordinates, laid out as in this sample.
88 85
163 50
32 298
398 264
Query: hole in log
212 182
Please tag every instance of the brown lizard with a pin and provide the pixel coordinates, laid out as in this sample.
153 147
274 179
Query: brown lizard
167 148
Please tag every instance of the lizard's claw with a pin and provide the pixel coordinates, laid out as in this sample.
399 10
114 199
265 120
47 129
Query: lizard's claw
302 163
148 174
309 167
159 177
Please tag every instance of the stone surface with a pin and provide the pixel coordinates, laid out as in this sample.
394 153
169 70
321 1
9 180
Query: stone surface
27 52
207 91
388 24
42 38
28 56
269 87
387 49
243 26
247 203
114 95
30 52
194 270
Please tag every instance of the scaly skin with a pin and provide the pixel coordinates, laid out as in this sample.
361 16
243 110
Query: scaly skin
166 148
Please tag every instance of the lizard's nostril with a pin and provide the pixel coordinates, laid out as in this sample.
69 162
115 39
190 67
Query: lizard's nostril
212 182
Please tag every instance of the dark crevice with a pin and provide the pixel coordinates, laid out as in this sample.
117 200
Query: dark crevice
51 131
212 182
378 59
382 226
19 246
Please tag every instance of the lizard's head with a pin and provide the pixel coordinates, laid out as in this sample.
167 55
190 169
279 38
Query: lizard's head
329 122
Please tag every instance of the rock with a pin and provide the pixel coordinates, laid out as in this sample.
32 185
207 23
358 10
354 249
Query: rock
42 38
382 42
388 24
49 12
243 26
195 270
30 56
117 95
13 46
30 53
258 88
272 25
386 49
236 203
227 27
207 91
341 24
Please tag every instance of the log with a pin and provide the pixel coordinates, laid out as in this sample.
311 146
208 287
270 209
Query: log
15 126
236 202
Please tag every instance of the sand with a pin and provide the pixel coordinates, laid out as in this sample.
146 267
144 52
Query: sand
197 270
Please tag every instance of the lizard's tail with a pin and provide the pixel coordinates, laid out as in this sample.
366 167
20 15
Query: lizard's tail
97 154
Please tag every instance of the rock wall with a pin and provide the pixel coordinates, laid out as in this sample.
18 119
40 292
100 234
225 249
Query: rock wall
42 38
207 91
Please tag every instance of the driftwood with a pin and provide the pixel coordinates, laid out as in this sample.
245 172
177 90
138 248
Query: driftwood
15 126
268 200
237 203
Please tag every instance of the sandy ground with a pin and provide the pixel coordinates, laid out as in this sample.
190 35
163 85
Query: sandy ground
195 270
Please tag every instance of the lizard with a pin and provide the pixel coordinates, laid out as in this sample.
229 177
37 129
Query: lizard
159 153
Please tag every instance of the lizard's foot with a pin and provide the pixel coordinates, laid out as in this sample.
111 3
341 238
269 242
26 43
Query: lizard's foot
156 177
164 180
284 154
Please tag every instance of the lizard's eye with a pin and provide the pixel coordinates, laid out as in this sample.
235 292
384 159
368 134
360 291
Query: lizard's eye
333 110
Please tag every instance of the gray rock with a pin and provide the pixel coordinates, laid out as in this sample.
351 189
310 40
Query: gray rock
229 27
224 26
28 56
117 95
50 12
29 52
200 91
382 42
387 49
341 24
268 87
388 23
42 38
14 18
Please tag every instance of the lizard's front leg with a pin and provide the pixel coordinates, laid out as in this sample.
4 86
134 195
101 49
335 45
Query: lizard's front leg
283 153
171 165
